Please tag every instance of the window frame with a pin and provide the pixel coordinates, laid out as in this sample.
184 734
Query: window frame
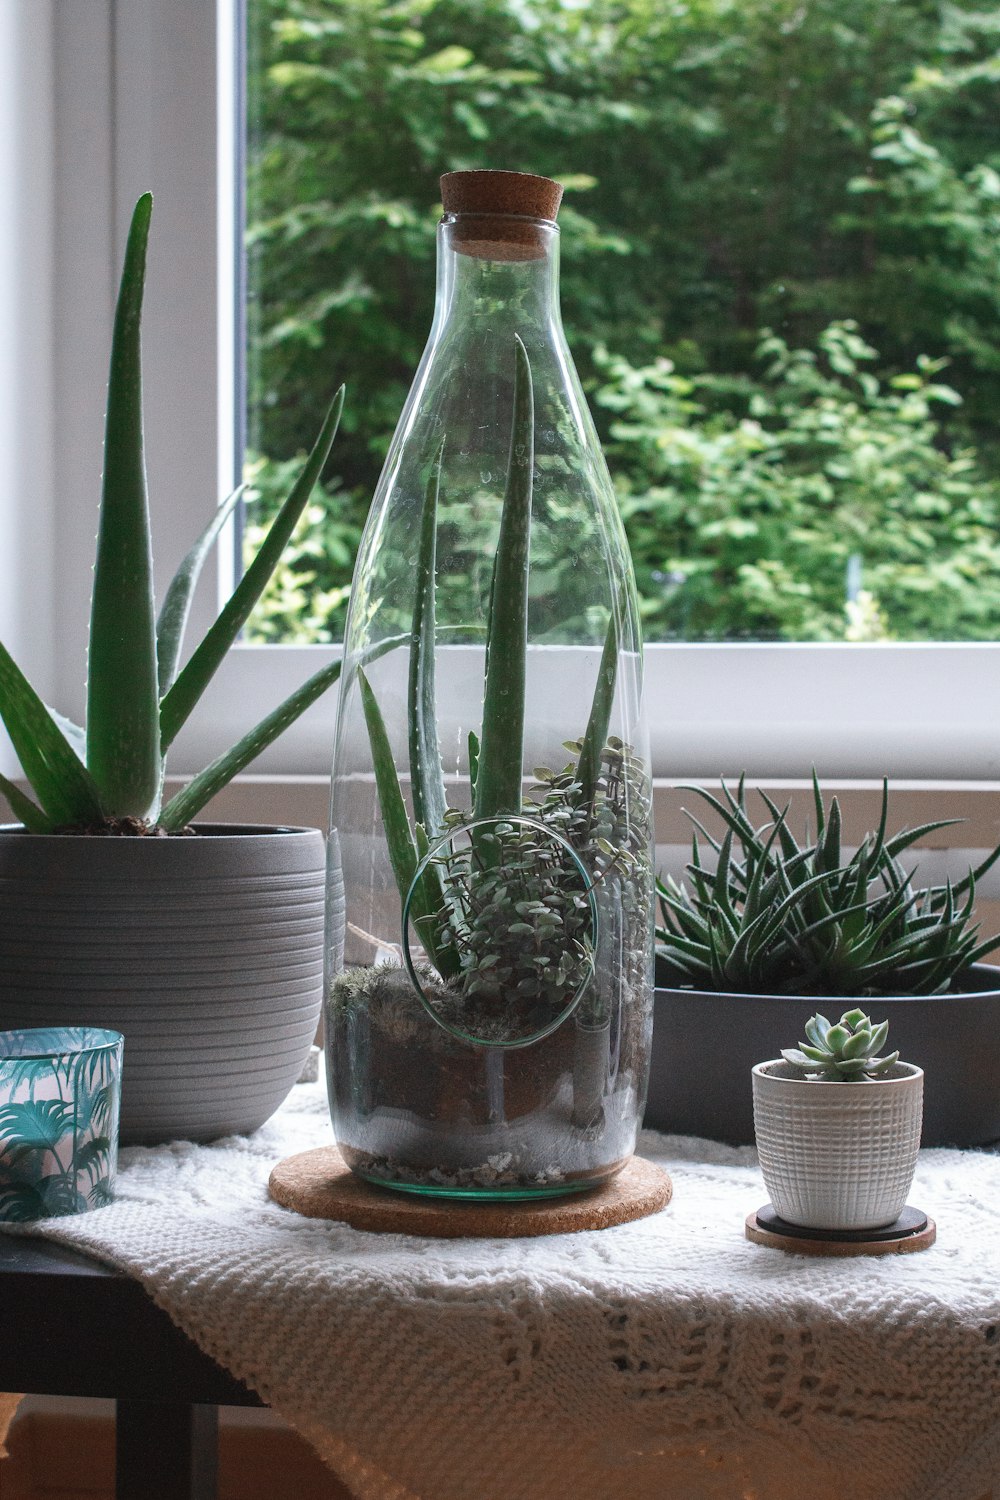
145 95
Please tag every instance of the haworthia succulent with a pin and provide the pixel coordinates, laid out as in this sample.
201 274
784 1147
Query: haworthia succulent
123 730
777 918
501 751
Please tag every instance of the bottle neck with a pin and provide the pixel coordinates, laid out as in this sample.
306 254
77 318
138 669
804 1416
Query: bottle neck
497 267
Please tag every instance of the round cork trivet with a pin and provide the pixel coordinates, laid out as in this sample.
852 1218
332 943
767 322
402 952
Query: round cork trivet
320 1185
501 193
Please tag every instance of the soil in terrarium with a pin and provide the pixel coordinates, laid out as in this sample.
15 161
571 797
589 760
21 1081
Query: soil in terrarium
423 1109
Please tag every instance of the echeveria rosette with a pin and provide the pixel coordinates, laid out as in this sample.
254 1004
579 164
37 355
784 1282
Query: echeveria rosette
845 1052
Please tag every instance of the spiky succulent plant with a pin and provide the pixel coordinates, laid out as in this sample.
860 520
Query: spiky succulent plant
845 1052
778 917
502 908
109 776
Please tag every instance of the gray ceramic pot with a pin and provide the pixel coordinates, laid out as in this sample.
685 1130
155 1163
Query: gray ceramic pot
704 1046
206 952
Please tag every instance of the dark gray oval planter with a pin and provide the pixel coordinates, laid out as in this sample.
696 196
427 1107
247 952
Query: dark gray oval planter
704 1046
205 952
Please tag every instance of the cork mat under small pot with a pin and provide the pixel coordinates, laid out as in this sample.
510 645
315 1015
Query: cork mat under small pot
320 1185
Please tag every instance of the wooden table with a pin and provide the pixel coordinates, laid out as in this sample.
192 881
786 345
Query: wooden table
71 1327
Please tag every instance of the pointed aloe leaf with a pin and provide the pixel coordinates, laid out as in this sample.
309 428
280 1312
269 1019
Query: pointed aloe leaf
404 852
123 730
222 770
189 801
29 812
426 774
63 786
473 761
209 655
400 839
596 734
74 734
428 901
498 783
177 601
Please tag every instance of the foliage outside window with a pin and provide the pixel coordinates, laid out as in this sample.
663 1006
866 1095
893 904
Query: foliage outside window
782 286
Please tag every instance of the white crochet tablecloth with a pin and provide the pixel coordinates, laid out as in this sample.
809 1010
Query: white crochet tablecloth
664 1360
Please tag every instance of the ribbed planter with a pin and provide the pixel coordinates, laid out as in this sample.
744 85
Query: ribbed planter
705 1044
206 952
837 1155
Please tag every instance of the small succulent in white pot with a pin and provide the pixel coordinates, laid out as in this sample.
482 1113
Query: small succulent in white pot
838 1126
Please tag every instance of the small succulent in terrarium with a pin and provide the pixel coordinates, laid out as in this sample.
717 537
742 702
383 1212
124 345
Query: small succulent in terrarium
847 1051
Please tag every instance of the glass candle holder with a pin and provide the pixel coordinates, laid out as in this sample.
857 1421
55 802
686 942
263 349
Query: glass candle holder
60 1089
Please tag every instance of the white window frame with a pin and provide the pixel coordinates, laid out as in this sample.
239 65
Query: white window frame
142 95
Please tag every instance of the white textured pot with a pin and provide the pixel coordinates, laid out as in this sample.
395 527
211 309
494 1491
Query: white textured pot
206 952
837 1155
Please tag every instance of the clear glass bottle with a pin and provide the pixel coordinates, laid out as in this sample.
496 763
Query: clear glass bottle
489 984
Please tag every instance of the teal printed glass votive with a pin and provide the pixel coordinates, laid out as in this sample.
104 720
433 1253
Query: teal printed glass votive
60 1090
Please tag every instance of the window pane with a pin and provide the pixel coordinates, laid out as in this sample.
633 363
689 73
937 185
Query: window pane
781 283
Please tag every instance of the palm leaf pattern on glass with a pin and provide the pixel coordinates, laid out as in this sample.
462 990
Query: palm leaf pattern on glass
59 1095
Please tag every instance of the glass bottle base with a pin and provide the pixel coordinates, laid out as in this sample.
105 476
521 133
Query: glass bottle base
485 1194
475 1186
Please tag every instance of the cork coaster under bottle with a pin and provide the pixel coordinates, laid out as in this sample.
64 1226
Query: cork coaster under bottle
320 1185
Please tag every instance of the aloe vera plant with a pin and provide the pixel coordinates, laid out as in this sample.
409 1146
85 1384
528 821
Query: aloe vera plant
109 777
778 917
505 915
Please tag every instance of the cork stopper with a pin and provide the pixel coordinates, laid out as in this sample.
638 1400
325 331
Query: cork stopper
501 193
497 209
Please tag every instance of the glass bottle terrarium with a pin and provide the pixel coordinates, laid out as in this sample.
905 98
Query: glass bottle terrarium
489 994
